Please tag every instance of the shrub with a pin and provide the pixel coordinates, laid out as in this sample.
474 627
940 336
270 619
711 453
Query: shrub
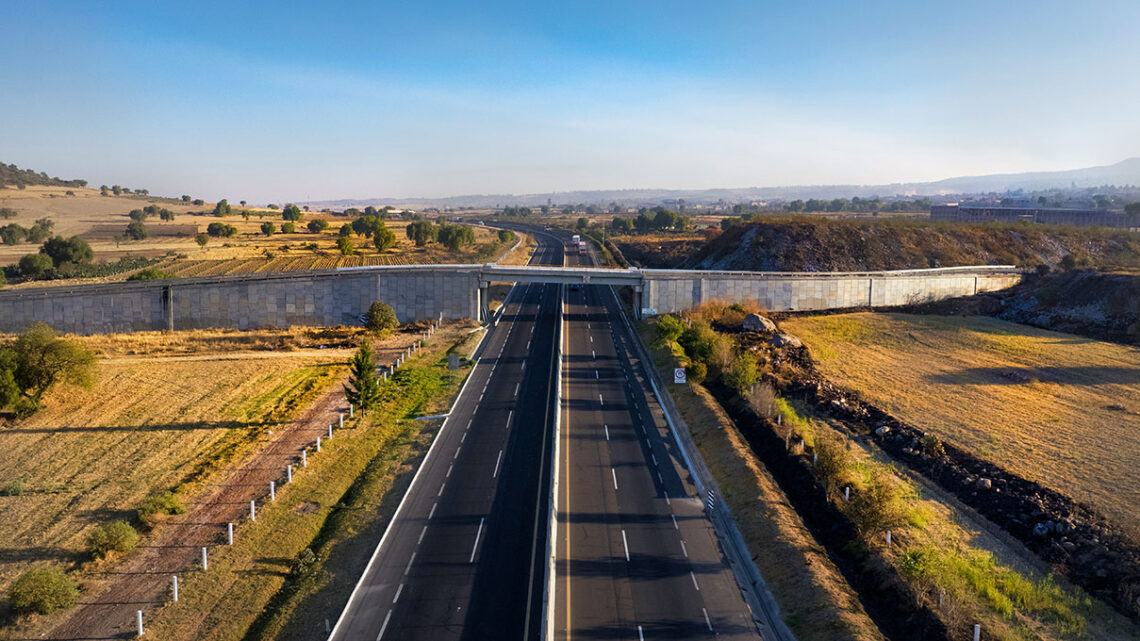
268 228
318 225
696 372
43 591
15 488
150 273
506 235
833 463
879 504
303 564
288 228
201 239
669 329
221 229
344 244
116 536
741 374
380 317
157 505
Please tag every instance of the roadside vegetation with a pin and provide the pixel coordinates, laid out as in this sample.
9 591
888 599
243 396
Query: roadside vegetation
937 562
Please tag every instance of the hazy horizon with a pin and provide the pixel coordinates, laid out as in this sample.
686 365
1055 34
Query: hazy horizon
276 102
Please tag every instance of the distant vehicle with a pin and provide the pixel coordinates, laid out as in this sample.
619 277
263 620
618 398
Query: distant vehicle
582 249
576 239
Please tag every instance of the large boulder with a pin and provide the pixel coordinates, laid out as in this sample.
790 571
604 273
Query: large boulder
785 340
758 323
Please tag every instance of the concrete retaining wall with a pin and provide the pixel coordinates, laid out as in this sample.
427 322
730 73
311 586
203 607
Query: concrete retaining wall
327 297
418 292
669 291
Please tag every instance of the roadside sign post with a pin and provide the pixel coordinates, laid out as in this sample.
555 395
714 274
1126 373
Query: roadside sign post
679 375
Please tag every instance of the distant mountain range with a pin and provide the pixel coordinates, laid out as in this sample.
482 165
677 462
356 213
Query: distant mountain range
1126 172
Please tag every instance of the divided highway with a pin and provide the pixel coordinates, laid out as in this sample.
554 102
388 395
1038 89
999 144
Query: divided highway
464 557
636 556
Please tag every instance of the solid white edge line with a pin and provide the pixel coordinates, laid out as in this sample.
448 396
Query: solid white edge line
614 473
607 428
707 621
400 507
625 544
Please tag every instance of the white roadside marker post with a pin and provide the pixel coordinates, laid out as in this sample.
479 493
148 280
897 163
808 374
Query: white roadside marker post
289 473
174 586
304 458
318 444
205 561
229 533
888 538
330 430
138 619
253 510
272 491
847 493
351 408
977 631
341 415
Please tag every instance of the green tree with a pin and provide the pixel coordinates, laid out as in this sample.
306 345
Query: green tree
664 219
1132 208
291 212
384 239
135 230
621 225
345 230
67 250
35 265
43 591
363 390
318 225
455 236
9 390
878 505
583 223
201 239
117 190
288 228
221 230
116 536
13 234
506 235
422 232
185 199
380 317
43 359
222 208
344 244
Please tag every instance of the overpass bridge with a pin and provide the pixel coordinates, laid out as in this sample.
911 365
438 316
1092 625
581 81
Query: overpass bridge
418 292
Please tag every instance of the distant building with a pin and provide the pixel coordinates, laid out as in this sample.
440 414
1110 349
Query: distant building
1040 215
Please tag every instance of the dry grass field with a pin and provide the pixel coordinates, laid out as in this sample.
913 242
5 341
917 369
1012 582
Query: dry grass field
101 219
167 410
1055 408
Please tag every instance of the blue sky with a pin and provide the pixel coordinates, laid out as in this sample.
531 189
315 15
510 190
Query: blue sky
291 101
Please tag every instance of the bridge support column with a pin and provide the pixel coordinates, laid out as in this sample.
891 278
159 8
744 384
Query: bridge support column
484 311
637 302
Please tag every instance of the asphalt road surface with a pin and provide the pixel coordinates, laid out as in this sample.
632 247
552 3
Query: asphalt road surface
464 557
636 556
